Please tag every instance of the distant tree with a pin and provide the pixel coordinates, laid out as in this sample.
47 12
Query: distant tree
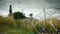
31 15
18 15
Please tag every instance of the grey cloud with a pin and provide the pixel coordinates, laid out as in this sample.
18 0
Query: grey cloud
54 3
2 3
36 3
33 3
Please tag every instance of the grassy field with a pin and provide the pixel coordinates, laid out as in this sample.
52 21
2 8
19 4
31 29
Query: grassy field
10 26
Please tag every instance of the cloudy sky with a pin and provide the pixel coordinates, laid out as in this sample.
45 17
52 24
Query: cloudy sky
30 6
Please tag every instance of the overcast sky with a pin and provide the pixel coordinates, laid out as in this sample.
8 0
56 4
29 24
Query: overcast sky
30 6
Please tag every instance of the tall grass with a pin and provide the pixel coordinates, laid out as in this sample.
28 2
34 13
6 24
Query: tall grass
21 26
9 25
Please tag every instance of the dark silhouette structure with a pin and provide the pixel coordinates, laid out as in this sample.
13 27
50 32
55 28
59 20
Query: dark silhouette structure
10 10
31 15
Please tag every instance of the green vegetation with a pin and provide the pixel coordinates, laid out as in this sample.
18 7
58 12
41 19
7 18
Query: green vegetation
10 26
19 15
